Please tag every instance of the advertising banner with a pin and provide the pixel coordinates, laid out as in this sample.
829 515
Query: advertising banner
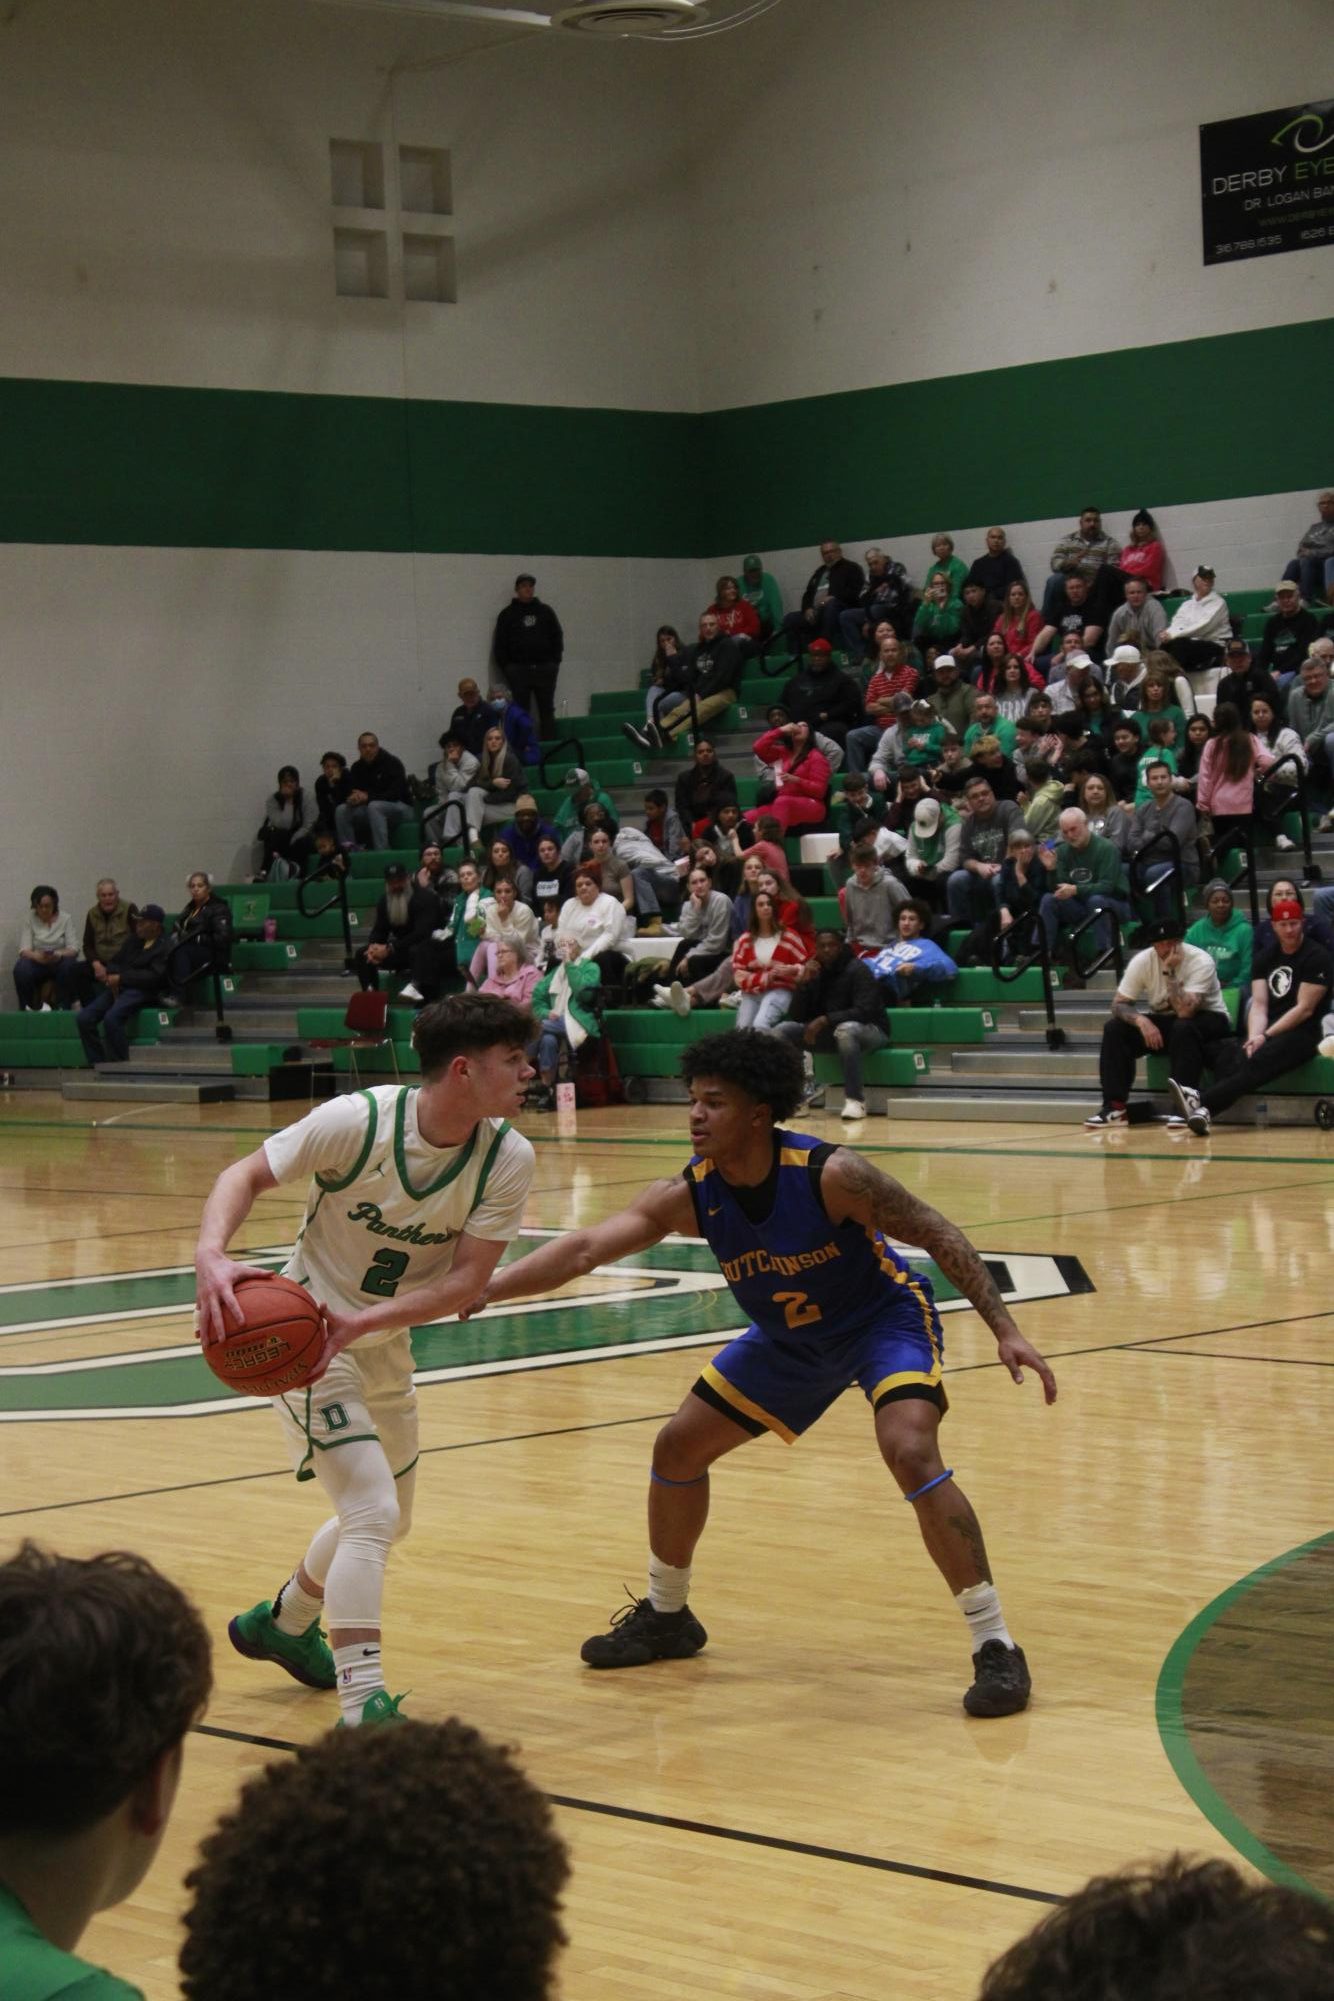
1267 182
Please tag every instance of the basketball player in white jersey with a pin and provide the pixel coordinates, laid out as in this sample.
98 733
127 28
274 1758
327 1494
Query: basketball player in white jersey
414 1195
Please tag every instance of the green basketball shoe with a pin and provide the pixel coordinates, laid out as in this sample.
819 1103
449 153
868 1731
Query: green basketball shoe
378 1708
305 1657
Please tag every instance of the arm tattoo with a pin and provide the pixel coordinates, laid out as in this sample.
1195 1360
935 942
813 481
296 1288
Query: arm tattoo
1126 1010
888 1206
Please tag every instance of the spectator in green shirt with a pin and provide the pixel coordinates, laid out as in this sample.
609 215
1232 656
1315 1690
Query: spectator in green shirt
939 619
759 589
1225 935
104 1666
988 721
1087 875
944 560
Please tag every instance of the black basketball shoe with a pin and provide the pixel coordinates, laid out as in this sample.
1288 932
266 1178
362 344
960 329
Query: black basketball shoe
639 1635
1001 1681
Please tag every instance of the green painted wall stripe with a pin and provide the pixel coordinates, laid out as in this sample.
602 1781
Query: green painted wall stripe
109 463
1176 1739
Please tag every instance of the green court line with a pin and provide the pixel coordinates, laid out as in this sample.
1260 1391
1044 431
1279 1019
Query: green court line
682 1145
1176 1738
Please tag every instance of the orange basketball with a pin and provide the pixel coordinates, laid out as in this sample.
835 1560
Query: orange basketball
277 1344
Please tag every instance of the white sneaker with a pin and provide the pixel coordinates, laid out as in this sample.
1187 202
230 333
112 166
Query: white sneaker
45 1008
1326 824
409 992
678 999
1325 1048
732 1000
1188 1104
1285 844
662 996
853 1108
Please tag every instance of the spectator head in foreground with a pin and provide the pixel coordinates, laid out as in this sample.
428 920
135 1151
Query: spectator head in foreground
1173 1931
433 1872
104 1666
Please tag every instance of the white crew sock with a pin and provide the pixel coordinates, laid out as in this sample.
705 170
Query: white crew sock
294 1609
668 1586
981 1607
360 1676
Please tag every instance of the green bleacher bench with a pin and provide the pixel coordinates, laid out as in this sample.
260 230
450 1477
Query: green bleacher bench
648 1043
51 1041
250 956
925 1023
312 1022
977 986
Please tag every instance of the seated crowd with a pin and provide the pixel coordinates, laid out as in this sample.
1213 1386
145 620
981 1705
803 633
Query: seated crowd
434 1824
989 755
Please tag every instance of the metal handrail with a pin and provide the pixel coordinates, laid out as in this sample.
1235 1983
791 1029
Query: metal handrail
1038 955
1113 952
332 871
1241 836
1311 869
561 744
213 972
1139 863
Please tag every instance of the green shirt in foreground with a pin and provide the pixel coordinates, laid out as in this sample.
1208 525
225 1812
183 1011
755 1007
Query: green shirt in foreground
1229 945
32 1969
1094 866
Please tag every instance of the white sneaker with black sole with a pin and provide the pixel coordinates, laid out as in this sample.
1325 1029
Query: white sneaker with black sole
1107 1115
853 1108
1191 1110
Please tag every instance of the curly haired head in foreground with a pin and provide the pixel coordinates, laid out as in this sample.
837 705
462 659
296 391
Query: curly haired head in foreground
1174 1931
409 1860
764 1066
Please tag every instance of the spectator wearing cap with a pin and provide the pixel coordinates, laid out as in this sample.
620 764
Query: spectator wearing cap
737 618
998 568
885 596
400 938
761 591
1312 568
1225 935
1168 999
1291 982
472 718
453 775
1288 635
1244 678
1067 693
529 646
952 698
820 695
834 587
378 798
939 619
136 975
1201 625
581 790
711 672
526 830
935 836
1140 621
1143 558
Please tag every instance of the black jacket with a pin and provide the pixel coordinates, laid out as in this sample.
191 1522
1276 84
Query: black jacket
207 924
845 991
330 797
383 778
845 583
528 635
1239 688
1287 641
424 916
997 573
701 794
891 597
711 669
823 698
471 725
142 967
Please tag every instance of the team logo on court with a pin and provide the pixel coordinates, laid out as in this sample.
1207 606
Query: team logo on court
670 1297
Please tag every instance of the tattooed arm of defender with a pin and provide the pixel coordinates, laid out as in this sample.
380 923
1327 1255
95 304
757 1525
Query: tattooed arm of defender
852 1188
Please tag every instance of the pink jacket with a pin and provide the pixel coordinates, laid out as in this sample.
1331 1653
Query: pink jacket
810 779
1215 792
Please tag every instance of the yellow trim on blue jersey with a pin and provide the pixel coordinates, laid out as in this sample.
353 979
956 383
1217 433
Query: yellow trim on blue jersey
730 1394
697 1169
795 1156
903 1276
927 1378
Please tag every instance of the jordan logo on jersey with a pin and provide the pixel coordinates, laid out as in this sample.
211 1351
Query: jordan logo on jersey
371 1216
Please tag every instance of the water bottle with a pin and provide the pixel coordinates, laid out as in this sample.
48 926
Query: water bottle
270 929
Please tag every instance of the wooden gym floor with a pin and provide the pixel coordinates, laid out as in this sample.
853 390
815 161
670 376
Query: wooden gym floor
804 1811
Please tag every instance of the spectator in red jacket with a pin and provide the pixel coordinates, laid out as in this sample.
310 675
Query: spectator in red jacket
802 775
766 960
1020 622
1144 554
736 618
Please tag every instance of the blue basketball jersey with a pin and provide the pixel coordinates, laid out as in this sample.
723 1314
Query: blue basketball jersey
795 1270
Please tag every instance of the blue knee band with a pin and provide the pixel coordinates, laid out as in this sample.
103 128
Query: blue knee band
663 1481
948 1474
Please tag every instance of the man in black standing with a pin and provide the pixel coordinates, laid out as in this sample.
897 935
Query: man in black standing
529 646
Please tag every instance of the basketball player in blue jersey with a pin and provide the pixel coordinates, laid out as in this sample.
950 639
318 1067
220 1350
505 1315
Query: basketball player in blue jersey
799 1229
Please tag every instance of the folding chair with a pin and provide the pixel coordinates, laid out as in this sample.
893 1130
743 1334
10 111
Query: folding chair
367 1025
